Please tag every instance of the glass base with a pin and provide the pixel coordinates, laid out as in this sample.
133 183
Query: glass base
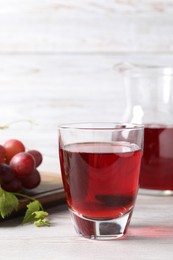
105 229
155 192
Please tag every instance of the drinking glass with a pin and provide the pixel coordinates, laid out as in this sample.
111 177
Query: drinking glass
100 165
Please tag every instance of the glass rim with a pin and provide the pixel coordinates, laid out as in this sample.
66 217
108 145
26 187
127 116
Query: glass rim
101 126
138 70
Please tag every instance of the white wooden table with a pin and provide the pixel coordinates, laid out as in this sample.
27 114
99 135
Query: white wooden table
150 236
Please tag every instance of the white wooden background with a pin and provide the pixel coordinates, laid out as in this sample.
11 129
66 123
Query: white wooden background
57 62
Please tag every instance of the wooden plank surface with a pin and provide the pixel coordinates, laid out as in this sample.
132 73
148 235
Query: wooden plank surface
86 26
150 236
38 92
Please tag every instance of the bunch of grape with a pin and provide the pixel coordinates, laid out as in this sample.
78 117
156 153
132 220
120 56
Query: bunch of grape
18 167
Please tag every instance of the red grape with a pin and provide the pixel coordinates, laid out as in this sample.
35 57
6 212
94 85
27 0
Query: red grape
13 186
23 164
13 147
6 173
18 167
31 181
2 154
37 156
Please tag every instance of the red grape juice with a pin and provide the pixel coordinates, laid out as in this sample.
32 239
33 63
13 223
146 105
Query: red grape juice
157 161
100 179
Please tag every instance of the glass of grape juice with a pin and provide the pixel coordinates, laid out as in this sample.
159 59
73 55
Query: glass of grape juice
100 166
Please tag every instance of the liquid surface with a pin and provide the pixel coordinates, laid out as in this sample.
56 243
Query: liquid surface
100 179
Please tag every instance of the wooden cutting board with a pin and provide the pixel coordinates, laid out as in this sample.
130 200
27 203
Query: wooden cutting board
50 193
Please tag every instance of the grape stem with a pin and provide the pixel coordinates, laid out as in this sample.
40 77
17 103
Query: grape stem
27 197
5 126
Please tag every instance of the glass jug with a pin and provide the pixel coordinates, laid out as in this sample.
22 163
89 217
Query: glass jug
149 96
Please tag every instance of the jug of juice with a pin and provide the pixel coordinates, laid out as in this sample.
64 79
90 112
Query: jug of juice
149 96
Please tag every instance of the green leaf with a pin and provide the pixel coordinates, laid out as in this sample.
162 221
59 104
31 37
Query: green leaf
40 214
32 207
40 218
34 213
8 203
42 222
